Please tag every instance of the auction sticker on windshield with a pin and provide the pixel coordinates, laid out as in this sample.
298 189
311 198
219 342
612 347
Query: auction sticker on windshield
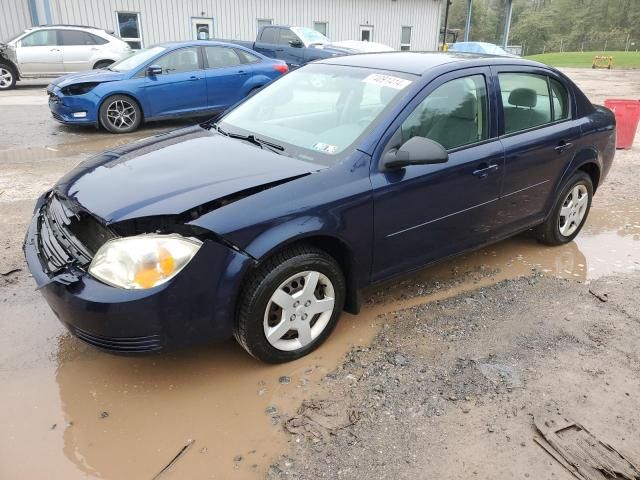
325 147
387 81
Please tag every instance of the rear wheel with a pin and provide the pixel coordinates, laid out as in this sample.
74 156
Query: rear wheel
8 76
569 212
290 305
120 114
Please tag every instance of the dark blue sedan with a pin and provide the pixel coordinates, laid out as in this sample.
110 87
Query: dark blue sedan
165 81
265 225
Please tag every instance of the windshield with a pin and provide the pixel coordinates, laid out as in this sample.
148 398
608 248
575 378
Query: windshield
317 111
136 59
310 36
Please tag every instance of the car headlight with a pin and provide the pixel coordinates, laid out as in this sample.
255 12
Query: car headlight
143 261
79 88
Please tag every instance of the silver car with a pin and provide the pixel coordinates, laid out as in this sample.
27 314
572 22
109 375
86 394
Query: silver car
56 50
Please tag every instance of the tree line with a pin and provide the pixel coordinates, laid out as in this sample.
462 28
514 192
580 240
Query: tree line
553 25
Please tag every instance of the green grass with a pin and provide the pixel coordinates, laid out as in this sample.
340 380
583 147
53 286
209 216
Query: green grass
584 59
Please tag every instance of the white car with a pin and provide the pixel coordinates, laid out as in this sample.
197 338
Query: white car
56 50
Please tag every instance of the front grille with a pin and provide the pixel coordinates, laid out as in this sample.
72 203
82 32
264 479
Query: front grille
149 343
67 238
57 116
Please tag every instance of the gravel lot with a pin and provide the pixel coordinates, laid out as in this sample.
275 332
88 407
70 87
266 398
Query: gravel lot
439 375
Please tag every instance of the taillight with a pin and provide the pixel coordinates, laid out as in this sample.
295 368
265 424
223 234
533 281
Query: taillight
281 67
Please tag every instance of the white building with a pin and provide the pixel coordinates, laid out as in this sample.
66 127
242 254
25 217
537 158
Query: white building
401 24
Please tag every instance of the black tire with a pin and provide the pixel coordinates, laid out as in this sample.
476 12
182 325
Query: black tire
249 328
111 123
102 64
8 76
549 232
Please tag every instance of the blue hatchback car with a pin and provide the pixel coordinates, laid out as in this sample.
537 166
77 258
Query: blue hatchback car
343 173
165 81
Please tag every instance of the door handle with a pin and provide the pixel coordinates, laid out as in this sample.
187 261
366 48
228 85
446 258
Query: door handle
484 170
241 72
193 78
562 146
54 50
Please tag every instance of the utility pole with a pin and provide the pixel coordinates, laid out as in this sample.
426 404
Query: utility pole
507 24
446 22
467 23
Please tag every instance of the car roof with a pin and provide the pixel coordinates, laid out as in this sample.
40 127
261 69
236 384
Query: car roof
197 43
418 63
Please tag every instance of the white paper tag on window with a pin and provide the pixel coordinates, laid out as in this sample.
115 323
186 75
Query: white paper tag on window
325 147
387 81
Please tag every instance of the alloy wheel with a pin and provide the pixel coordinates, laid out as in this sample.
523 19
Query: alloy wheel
121 114
299 310
6 78
573 210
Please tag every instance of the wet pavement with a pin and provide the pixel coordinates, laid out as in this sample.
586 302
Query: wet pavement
69 411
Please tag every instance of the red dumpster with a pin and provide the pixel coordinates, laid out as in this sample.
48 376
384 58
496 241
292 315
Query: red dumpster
627 114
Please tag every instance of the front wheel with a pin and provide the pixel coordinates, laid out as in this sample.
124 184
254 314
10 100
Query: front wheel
8 77
569 212
290 305
120 114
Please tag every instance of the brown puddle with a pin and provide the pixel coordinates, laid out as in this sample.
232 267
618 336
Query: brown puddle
217 396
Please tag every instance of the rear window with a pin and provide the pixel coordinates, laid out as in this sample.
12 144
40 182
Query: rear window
77 37
269 35
560 98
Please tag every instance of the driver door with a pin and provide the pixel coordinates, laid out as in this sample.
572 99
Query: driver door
427 212
181 88
39 54
294 56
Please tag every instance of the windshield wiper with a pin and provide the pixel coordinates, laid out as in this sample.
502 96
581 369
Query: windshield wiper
274 147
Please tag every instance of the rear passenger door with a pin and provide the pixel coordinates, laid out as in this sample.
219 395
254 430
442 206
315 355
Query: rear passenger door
78 49
226 75
538 133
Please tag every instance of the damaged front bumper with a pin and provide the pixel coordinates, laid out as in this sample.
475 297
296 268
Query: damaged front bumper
196 306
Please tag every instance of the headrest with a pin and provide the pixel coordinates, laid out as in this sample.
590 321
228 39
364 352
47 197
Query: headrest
523 97
466 108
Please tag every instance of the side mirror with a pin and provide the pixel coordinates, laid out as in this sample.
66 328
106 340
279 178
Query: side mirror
154 70
296 43
415 151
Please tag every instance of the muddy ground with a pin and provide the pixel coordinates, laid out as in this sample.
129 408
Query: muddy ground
440 373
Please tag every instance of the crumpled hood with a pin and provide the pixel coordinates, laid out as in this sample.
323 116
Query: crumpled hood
88 76
173 173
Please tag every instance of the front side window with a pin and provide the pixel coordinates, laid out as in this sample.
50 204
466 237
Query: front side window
560 98
129 29
41 38
525 101
221 57
287 36
318 111
454 114
179 61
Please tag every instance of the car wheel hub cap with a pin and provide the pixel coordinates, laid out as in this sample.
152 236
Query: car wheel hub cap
573 210
5 78
299 310
121 114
